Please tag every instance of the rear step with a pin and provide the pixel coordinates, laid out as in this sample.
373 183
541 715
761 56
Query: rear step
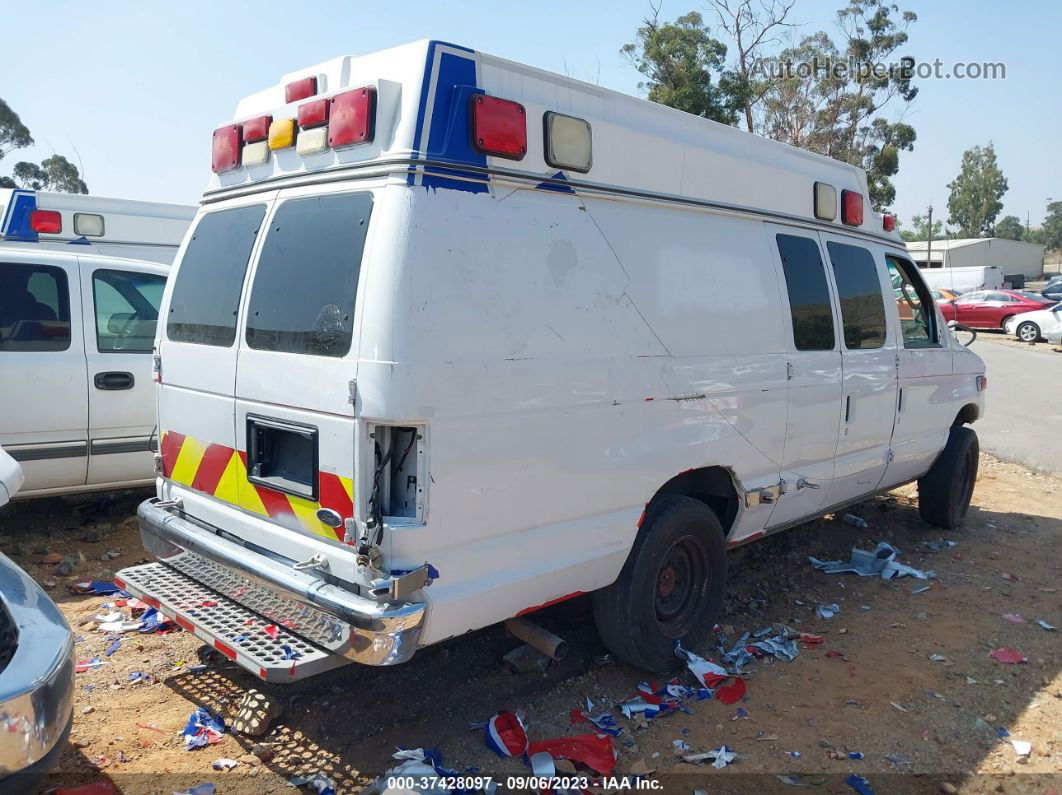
238 633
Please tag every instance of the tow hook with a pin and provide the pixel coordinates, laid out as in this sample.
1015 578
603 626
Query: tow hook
398 587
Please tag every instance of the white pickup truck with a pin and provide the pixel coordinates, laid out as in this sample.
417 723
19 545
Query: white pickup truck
77 324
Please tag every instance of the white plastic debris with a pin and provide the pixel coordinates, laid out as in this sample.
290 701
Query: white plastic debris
827 611
224 764
1045 625
1022 747
881 562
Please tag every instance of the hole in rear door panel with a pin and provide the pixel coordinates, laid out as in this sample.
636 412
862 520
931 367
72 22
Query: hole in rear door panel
283 456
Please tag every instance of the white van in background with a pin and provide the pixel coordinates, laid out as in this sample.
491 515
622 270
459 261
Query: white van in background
77 324
453 339
964 280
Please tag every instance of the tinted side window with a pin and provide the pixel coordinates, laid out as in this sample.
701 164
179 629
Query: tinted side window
859 291
918 321
809 295
206 295
127 310
302 300
34 308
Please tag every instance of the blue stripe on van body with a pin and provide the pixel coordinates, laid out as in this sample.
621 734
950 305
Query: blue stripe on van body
16 225
449 136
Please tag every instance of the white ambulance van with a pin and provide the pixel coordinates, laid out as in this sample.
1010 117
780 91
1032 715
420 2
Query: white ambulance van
81 279
453 339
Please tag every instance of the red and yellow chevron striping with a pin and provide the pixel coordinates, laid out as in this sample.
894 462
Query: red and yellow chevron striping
221 472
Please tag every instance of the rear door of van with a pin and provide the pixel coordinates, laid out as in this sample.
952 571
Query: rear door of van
197 352
294 412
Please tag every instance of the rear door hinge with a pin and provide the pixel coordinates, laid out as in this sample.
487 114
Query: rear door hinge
763 496
352 392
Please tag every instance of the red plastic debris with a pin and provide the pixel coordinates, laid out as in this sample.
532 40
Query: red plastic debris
1009 577
1014 618
731 694
272 631
208 603
809 639
836 654
593 750
1007 656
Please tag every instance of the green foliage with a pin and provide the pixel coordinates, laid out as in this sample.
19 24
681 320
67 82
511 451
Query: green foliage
684 68
920 229
976 193
13 133
54 173
1009 227
1051 229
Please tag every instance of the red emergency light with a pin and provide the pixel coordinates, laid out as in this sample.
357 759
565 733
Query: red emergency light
300 89
499 126
352 117
313 114
225 149
851 208
48 222
256 129
888 222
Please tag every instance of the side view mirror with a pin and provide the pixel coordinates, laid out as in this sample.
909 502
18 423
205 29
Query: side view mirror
961 332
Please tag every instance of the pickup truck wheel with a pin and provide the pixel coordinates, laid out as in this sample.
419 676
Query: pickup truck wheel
944 492
671 586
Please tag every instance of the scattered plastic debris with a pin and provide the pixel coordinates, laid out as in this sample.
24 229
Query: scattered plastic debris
603 722
272 631
827 611
859 784
897 706
938 658
224 764
1007 656
96 587
322 784
793 754
87 665
203 728
1014 618
1022 747
881 562
721 757
115 645
897 761
732 693
780 646
506 734
920 589
792 779
1002 733
937 546
855 755
289 653
680 745
855 521
1009 577
703 670
592 750
1045 625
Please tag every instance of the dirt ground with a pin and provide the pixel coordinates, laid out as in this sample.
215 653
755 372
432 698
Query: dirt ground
922 724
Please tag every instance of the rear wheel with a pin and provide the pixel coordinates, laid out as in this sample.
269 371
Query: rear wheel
1028 331
671 586
944 492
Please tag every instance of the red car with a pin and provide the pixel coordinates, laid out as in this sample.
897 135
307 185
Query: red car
991 308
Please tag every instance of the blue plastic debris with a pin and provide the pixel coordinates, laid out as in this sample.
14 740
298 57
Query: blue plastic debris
115 645
793 754
206 788
855 755
289 653
1002 732
1045 625
319 782
859 784
202 729
879 563
937 546
781 647
827 611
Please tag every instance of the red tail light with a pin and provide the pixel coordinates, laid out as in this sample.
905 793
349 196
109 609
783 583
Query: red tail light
888 222
499 126
352 118
256 129
300 89
313 114
851 208
48 222
225 152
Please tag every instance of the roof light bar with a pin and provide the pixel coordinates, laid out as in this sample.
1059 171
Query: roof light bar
256 129
352 117
499 127
568 142
47 222
225 149
300 89
888 222
312 141
88 224
281 133
851 208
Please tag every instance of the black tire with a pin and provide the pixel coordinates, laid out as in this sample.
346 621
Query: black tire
671 587
1003 323
944 492
1033 331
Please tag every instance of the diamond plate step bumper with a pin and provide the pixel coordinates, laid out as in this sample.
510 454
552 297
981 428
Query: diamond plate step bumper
240 634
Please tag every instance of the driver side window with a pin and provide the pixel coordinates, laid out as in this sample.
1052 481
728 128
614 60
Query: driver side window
127 310
915 304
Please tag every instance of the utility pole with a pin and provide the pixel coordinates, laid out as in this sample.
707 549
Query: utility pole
929 240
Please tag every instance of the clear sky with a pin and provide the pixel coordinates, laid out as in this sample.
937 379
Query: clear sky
135 89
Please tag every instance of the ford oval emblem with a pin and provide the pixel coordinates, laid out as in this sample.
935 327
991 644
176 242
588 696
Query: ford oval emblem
329 517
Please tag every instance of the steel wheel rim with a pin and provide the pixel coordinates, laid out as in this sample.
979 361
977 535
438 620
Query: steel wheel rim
681 585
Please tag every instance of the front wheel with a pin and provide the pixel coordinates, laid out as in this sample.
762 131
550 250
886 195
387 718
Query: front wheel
671 587
944 492
1028 331
1005 321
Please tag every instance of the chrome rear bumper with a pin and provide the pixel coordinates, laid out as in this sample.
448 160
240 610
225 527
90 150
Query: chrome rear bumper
332 618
